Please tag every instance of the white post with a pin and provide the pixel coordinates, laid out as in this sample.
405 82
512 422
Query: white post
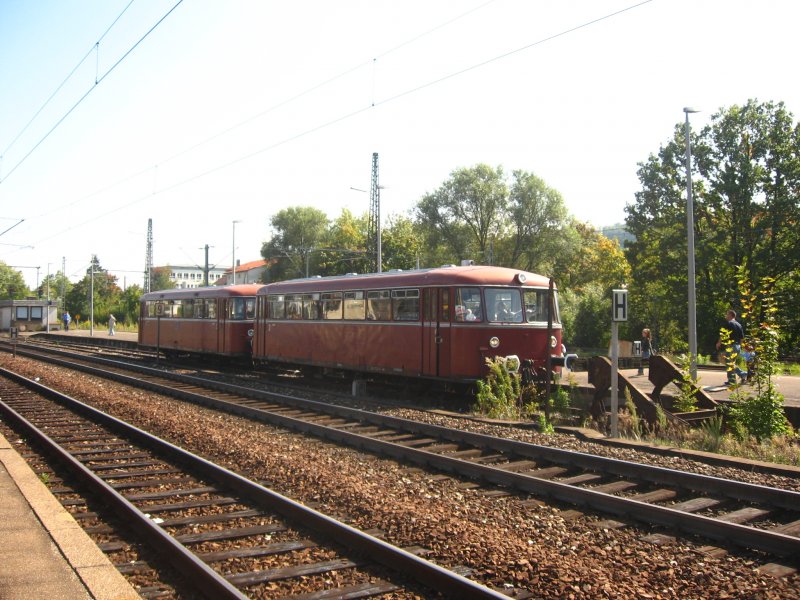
692 317
619 312
614 379
234 251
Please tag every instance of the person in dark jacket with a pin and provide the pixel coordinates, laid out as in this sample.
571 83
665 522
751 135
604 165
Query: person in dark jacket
732 347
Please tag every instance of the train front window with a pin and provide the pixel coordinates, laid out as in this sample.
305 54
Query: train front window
503 305
536 306
468 304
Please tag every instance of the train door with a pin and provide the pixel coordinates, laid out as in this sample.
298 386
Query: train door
220 321
436 333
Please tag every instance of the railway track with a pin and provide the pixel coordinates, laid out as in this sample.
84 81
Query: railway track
224 535
730 513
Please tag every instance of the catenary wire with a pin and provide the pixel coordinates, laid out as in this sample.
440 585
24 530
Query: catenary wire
67 78
89 91
349 115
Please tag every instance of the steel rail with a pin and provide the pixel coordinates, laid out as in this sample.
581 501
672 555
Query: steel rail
736 534
396 559
737 490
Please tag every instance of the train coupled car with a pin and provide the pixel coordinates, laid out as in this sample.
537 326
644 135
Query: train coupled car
207 321
431 324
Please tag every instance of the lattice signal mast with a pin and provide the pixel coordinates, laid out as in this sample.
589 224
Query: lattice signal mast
374 229
148 260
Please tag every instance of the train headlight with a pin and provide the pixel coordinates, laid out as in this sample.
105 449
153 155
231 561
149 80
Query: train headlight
494 342
522 278
250 333
553 341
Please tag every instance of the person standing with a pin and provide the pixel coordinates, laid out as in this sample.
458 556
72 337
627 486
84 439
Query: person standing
111 323
66 318
732 343
647 349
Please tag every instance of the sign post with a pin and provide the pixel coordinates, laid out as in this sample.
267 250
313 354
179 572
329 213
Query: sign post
619 312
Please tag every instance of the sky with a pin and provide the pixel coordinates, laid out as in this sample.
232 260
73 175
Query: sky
199 113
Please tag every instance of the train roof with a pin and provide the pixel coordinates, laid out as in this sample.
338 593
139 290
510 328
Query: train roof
227 291
440 276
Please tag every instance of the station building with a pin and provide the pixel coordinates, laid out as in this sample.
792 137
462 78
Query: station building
28 315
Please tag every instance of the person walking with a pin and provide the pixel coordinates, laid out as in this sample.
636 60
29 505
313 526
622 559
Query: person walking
731 343
66 318
647 350
111 323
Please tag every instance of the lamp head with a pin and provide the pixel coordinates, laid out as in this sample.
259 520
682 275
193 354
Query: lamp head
688 109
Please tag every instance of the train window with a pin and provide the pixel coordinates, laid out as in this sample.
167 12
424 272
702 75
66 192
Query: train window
406 305
236 308
354 306
379 305
211 308
468 304
294 307
311 306
188 309
504 305
536 306
331 304
249 308
277 307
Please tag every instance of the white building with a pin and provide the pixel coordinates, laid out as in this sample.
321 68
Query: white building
185 277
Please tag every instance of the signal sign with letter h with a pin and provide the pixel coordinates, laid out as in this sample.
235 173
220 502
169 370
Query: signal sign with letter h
619 305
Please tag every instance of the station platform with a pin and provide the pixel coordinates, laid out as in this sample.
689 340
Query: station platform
44 553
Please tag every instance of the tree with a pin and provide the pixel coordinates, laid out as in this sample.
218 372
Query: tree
160 279
538 218
106 293
12 284
466 212
298 232
127 308
747 212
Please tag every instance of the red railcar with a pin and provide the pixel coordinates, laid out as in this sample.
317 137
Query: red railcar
210 320
436 323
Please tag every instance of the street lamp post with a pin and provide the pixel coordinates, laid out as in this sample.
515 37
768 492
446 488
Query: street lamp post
690 237
234 251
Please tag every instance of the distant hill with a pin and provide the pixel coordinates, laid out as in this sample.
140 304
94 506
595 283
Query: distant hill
617 232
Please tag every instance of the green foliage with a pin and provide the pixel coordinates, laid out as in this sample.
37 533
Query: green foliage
713 434
746 212
12 284
103 285
686 400
498 395
629 423
761 414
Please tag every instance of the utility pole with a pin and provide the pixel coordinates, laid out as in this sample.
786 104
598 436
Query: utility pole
148 258
205 269
374 229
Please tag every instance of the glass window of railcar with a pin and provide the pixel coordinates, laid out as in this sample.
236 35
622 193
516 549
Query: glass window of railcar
249 308
311 306
468 305
211 308
445 305
200 311
406 305
379 305
331 305
236 309
354 306
504 305
277 307
22 313
294 306
188 308
536 306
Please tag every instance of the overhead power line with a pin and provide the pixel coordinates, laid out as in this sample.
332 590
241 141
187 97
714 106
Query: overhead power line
349 115
97 81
